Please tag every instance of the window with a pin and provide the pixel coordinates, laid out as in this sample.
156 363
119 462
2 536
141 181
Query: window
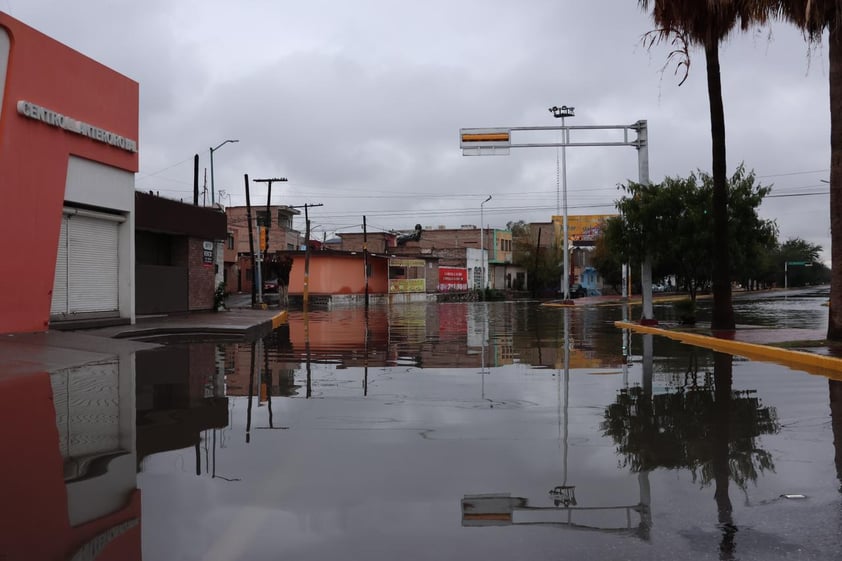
230 240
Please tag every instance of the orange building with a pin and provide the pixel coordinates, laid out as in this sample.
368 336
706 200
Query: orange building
68 155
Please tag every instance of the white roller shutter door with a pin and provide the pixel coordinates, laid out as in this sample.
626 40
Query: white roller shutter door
59 302
87 271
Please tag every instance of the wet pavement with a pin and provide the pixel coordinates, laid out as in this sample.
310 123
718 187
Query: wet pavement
449 431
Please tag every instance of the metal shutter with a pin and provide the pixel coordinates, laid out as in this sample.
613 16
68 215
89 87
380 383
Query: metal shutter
58 306
92 245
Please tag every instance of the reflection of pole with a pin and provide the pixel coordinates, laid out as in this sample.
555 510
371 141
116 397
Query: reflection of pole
365 357
566 389
647 365
643 477
307 350
482 349
198 458
626 346
251 390
267 379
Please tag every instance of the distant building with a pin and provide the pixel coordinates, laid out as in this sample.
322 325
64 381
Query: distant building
282 236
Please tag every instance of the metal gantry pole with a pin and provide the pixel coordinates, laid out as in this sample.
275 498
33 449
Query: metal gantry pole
483 283
566 282
561 113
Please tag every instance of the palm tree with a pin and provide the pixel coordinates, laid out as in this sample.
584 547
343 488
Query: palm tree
814 17
707 23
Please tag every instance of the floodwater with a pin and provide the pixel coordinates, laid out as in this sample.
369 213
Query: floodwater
486 431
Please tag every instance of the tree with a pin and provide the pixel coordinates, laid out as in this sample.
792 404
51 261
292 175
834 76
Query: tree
797 250
712 431
542 263
671 222
814 17
608 262
707 23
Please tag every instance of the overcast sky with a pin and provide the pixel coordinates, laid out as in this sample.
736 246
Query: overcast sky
360 103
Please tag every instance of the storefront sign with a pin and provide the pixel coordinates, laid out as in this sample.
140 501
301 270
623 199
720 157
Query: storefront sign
55 119
207 254
407 285
405 262
452 278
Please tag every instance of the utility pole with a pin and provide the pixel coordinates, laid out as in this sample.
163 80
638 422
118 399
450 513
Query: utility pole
306 295
365 264
251 241
268 204
196 180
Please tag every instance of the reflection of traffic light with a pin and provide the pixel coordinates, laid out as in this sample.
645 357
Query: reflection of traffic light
262 238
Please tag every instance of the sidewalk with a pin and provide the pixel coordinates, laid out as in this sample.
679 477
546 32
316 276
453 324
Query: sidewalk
33 353
240 323
755 343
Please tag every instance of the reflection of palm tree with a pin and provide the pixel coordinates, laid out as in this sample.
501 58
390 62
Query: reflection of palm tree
712 432
722 376
835 390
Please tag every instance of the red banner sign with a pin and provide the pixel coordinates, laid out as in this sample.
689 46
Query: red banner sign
452 278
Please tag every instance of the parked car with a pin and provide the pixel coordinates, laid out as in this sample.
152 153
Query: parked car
270 291
578 291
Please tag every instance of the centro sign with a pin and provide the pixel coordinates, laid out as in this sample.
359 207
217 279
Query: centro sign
55 119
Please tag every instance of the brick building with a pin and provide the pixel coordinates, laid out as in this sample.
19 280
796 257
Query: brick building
237 253
449 246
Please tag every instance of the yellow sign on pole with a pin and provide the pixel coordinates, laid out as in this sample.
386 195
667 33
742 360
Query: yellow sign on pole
262 238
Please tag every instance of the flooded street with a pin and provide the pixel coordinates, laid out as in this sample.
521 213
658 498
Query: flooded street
458 431
500 430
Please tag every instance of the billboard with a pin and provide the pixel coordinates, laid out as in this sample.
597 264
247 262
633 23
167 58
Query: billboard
452 278
582 227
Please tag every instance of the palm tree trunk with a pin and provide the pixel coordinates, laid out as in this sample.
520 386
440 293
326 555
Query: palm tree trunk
834 325
723 312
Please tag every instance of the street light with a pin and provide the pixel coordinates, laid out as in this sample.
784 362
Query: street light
482 240
212 150
561 113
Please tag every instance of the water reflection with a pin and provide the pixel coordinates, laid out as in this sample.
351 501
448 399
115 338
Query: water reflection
502 509
330 434
706 428
68 476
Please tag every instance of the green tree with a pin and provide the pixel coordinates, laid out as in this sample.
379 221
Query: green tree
671 221
542 261
797 250
608 262
691 22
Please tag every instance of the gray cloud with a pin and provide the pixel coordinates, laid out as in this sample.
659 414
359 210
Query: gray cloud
359 104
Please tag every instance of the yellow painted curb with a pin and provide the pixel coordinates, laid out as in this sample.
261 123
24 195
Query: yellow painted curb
280 319
827 366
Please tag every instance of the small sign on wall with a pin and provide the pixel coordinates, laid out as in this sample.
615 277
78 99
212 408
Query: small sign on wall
207 254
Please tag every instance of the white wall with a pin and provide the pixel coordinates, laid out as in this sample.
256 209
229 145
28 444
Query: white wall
112 189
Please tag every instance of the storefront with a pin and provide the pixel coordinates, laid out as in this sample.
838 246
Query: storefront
68 156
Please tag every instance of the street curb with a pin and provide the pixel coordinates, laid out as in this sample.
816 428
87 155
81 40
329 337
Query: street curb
280 319
827 366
